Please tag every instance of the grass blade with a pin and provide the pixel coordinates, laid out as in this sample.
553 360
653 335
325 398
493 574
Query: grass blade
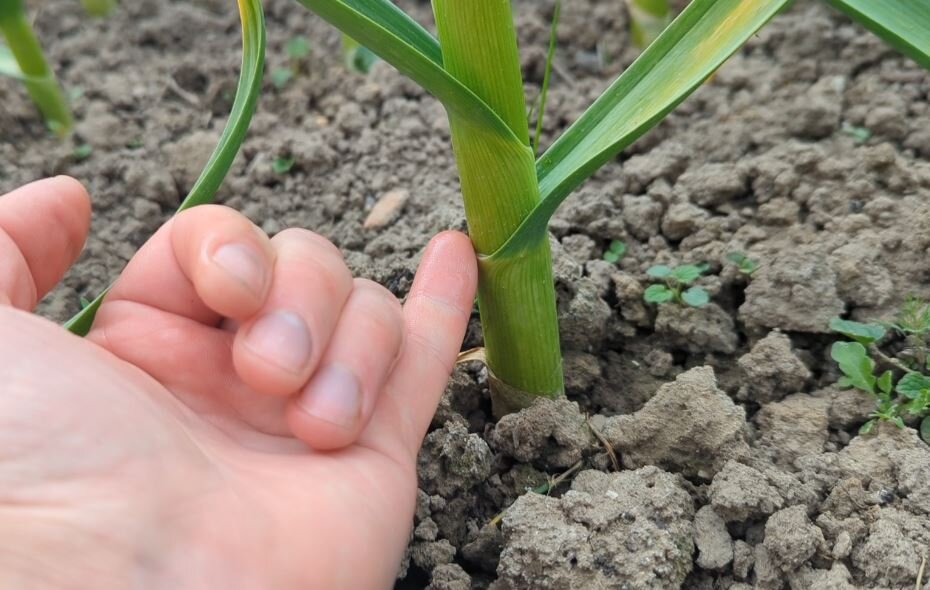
903 24
399 40
550 54
703 36
247 92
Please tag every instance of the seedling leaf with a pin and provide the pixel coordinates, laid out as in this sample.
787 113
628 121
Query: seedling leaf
925 429
615 251
298 48
658 294
861 333
282 165
695 297
686 273
913 385
280 77
855 364
867 427
659 271
884 383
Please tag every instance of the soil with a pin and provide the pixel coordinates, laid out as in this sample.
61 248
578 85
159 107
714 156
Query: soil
733 461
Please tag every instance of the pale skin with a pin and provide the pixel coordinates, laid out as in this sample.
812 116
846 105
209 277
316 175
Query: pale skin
244 414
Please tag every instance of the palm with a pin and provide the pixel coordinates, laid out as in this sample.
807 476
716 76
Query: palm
145 433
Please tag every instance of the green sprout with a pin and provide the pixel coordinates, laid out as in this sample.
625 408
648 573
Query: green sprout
859 134
357 57
615 251
675 281
744 263
282 165
22 58
648 18
81 152
857 361
297 49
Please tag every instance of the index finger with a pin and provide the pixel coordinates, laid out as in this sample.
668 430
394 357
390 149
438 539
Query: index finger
436 314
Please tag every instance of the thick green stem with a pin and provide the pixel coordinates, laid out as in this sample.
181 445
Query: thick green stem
516 296
38 78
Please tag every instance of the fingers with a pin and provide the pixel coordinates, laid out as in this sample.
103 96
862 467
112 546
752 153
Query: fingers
334 407
206 263
280 347
42 230
436 315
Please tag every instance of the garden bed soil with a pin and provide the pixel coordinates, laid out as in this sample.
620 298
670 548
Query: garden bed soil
734 461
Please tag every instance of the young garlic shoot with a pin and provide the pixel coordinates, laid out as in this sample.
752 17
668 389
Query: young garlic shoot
22 58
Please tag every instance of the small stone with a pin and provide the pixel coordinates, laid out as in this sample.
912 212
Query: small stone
386 209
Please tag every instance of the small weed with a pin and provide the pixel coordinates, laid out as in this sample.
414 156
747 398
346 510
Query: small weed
859 134
298 49
858 359
744 264
357 57
676 280
81 152
282 165
615 251
280 77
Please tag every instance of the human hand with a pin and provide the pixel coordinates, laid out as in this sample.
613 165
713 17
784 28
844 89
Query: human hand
243 414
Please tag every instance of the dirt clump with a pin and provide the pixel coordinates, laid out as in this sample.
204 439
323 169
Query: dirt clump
551 432
631 529
689 426
772 370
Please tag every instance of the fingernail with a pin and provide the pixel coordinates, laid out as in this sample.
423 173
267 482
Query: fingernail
333 395
243 263
281 338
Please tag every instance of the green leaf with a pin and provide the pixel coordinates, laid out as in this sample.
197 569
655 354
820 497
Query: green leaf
867 427
903 24
397 39
658 294
898 421
615 251
298 48
8 65
925 429
247 91
659 271
686 273
861 333
855 364
81 152
695 297
280 77
884 382
281 165
913 385
701 38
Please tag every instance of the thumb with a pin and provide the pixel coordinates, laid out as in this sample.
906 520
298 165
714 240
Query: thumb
42 230
436 314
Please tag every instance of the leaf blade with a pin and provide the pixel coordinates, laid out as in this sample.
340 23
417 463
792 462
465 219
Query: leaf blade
247 92
399 40
903 24
701 38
